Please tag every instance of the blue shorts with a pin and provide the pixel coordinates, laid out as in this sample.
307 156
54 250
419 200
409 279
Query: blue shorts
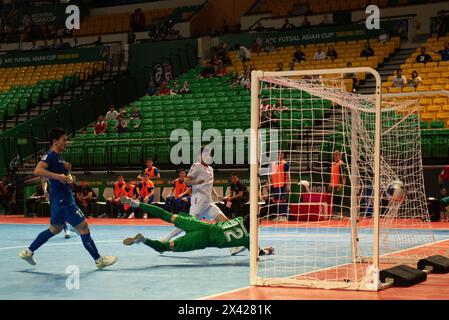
66 212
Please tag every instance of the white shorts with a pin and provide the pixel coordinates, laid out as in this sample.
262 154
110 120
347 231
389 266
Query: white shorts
204 209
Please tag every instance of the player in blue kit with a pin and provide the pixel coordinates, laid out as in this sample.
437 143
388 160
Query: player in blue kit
63 208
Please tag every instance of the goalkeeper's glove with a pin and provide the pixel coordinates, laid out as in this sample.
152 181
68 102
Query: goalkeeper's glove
266 251
127 200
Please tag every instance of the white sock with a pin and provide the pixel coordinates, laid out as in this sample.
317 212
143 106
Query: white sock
29 251
172 234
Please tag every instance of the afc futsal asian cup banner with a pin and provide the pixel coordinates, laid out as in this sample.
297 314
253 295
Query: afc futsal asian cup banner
32 58
318 34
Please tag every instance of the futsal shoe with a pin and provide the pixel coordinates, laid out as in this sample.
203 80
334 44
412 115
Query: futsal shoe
236 250
105 261
67 234
131 216
138 238
127 200
27 256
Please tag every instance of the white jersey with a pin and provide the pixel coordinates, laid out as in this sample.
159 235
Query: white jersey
202 192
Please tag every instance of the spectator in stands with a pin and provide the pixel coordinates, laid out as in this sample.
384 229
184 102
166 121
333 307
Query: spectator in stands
220 69
208 71
332 53
319 54
444 53
179 197
236 198
414 80
164 89
243 54
256 47
131 192
175 88
100 126
136 113
137 21
85 197
145 189
383 36
113 206
299 55
423 57
98 42
367 51
33 202
305 23
353 76
112 114
269 47
185 88
287 25
222 54
280 67
152 90
122 125
325 20
224 27
400 81
150 169
439 27
260 27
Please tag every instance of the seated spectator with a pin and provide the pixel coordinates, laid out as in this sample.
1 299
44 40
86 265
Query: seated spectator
113 207
332 53
306 23
299 55
112 114
145 190
175 89
185 88
243 53
137 21
150 169
237 197
122 125
179 198
280 67
164 90
325 20
130 191
423 57
256 47
352 76
287 25
136 113
220 69
85 197
33 202
100 126
269 47
415 80
222 54
208 71
444 53
319 54
122 111
98 42
383 37
367 51
152 90
400 81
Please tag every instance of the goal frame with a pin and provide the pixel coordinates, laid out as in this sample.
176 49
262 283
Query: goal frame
256 75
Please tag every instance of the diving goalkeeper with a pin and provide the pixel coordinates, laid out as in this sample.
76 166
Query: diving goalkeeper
199 234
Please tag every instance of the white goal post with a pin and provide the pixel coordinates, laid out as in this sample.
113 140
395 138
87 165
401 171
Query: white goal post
338 234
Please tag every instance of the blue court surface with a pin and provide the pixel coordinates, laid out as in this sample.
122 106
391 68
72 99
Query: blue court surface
140 272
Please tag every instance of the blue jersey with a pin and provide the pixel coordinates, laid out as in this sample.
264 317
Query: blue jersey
59 192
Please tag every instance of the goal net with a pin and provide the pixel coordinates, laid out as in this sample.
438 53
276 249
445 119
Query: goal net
339 198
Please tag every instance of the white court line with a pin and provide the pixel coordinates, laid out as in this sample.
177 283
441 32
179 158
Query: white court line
61 244
223 293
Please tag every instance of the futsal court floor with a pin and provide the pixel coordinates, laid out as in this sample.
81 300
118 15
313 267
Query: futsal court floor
141 273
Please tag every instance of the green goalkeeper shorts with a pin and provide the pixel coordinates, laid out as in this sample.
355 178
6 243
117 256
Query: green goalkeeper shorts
196 237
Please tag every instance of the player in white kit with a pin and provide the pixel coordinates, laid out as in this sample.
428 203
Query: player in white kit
201 178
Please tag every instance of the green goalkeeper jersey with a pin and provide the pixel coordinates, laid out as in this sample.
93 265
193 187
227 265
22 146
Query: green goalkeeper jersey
228 234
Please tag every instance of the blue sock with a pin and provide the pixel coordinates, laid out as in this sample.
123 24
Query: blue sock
89 244
40 240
